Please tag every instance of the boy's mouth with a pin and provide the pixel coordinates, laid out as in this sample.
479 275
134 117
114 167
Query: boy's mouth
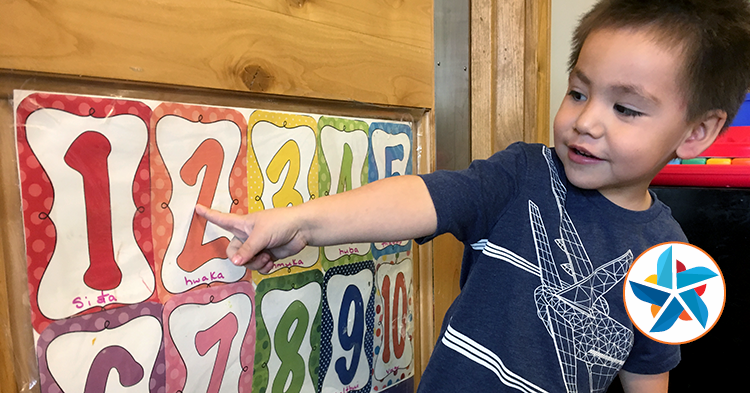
582 154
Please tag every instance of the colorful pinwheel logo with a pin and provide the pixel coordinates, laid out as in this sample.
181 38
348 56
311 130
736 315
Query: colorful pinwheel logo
667 299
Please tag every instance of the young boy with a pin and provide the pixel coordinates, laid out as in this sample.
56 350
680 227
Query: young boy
550 234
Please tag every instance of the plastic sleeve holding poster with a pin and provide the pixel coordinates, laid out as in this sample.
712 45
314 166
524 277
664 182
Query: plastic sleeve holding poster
130 290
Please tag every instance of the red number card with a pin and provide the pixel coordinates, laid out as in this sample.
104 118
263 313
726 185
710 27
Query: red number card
83 165
198 155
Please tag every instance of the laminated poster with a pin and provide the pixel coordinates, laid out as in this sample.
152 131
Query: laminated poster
131 291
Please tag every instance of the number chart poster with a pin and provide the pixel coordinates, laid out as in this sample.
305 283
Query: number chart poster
131 291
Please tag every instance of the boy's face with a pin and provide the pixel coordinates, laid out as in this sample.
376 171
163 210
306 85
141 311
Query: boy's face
623 117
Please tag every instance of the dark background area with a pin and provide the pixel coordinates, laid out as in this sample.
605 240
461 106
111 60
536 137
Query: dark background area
718 221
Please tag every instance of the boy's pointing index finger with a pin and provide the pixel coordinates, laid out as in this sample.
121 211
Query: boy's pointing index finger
230 222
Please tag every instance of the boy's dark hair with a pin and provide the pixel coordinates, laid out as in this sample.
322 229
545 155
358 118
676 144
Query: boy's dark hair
714 36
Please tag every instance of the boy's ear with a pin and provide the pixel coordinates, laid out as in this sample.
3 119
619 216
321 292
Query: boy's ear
702 134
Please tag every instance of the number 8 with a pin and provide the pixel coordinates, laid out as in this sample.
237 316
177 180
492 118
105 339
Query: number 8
288 348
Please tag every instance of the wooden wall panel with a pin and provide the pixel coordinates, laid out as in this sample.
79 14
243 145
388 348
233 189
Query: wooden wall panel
368 51
448 254
483 77
510 73
537 71
509 70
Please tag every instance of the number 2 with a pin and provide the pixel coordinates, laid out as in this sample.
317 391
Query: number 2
208 155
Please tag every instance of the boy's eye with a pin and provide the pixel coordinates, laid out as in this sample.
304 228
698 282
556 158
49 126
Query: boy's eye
622 110
577 96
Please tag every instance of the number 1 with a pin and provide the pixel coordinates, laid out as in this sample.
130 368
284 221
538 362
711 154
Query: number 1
88 156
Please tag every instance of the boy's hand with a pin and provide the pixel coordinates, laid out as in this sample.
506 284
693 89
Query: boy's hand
259 238
365 214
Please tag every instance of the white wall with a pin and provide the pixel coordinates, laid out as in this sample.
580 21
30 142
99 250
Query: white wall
565 15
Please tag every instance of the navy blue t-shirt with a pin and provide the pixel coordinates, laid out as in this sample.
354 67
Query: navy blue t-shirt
541 303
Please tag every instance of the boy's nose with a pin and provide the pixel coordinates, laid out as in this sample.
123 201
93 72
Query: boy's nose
589 121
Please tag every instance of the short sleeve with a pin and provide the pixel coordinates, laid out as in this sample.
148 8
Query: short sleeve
651 357
469 202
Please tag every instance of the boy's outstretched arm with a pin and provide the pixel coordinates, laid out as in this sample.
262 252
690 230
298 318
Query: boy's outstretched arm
641 383
395 208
